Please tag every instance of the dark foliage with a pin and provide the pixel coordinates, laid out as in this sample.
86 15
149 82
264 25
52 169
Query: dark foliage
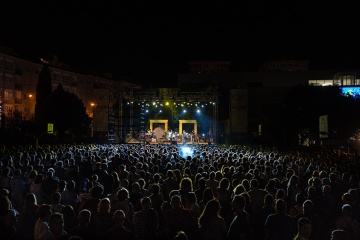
43 91
67 112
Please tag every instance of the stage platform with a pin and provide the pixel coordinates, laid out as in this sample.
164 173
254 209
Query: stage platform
135 141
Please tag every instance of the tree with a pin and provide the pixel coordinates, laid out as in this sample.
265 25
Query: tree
43 91
67 112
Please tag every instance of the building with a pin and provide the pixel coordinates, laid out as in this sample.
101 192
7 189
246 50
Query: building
209 66
284 65
250 103
18 81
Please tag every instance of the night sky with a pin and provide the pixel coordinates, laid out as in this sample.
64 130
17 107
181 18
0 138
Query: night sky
152 43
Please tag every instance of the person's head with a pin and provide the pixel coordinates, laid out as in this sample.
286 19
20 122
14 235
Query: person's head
308 206
55 198
122 194
104 206
75 238
269 200
346 210
280 194
176 201
119 217
5 205
68 213
146 203
299 198
254 184
280 206
155 188
44 211
56 223
135 187
84 217
208 194
294 179
304 227
70 185
339 234
224 183
190 198
180 236
30 200
97 191
238 203
186 184
212 208
173 193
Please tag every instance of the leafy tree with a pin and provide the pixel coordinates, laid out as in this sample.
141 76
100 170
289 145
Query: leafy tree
67 112
43 91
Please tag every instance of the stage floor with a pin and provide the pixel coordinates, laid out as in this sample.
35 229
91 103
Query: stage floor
135 141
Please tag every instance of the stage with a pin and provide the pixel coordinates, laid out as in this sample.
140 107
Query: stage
166 142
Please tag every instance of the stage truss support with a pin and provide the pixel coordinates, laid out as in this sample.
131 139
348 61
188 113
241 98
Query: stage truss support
126 119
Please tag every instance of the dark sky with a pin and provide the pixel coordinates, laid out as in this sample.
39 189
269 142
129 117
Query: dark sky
153 43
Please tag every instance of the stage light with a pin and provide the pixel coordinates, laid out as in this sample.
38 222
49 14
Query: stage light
154 103
167 103
147 110
186 151
184 111
198 111
160 110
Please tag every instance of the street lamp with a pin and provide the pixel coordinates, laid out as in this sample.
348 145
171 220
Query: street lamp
93 119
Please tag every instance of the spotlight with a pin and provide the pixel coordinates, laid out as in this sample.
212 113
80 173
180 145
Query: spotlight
198 111
186 151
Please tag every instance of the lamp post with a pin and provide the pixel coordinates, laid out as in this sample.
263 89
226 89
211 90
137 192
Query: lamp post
93 119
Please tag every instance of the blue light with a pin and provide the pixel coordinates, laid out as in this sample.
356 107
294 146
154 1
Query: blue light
186 151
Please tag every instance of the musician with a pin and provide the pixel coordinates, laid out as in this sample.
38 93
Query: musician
170 135
185 136
193 136
210 136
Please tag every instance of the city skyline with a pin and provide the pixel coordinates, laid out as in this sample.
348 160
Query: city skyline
153 43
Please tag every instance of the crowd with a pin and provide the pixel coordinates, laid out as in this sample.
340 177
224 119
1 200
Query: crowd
156 191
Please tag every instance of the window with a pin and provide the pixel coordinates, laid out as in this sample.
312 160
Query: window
8 108
66 79
18 108
18 95
55 76
8 95
26 81
9 65
18 69
8 79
